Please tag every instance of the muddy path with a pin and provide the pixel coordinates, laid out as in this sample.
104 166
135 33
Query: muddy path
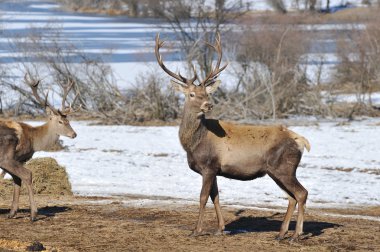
95 224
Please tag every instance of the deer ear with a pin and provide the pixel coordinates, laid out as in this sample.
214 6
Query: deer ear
211 88
178 87
49 112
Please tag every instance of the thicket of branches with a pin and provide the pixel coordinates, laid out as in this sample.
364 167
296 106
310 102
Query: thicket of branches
48 57
359 69
44 55
271 82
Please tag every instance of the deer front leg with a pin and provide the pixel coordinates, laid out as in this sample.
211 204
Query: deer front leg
16 196
215 199
207 182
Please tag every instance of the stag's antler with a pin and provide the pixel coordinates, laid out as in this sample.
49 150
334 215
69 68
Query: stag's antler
66 110
34 86
178 76
216 71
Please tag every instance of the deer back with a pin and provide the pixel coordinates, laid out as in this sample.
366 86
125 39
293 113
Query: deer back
19 131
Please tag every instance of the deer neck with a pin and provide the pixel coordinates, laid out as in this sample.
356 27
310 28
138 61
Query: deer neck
44 137
191 130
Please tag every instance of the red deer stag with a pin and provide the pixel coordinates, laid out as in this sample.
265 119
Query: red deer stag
236 151
19 141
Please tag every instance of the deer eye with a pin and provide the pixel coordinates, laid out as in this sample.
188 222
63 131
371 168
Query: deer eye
60 122
192 94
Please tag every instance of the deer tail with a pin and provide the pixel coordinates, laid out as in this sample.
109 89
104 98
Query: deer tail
301 141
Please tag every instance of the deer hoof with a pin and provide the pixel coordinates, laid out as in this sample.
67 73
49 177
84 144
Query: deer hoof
218 232
11 215
196 233
279 237
294 238
33 216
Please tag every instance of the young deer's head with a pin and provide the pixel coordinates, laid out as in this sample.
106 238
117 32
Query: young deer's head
58 123
197 97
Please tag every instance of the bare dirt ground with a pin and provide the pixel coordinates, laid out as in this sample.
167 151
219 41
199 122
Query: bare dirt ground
68 223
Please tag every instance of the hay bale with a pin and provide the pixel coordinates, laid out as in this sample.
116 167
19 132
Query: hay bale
48 178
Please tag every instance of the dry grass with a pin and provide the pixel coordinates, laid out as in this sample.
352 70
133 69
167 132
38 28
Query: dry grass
48 178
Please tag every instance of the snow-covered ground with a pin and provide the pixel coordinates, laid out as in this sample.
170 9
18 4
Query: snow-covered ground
342 169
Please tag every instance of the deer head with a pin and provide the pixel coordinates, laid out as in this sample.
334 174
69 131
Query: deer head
57 118
197 98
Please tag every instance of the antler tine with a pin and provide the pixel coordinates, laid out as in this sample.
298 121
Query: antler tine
66 91
214 73
34 86
68 110
178 76
195 74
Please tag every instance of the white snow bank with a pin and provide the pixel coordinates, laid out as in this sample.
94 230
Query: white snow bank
113 160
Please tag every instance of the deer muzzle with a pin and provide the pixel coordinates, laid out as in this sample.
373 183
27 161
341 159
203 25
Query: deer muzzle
205 107
73 135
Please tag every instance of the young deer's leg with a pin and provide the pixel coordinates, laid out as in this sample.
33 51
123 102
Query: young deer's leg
16 196
16 169
207 182
215 199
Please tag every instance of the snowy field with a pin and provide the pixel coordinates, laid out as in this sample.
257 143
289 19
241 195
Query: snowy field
342 169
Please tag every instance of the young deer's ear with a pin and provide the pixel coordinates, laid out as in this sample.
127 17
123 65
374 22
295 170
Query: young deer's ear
211 88
178 87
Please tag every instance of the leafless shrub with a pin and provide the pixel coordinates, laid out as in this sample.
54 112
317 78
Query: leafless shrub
271 82
358 72
47 56
153 99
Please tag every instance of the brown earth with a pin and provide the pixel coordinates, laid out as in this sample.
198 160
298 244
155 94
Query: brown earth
69 223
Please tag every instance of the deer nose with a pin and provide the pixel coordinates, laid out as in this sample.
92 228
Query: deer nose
74 135
206 106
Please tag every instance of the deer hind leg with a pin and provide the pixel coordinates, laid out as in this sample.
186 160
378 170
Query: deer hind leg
16 169
207 182
215 199
297 194
288 216
301 197
16 196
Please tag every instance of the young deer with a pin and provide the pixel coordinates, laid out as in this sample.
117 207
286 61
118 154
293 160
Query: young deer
236 151
19 141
